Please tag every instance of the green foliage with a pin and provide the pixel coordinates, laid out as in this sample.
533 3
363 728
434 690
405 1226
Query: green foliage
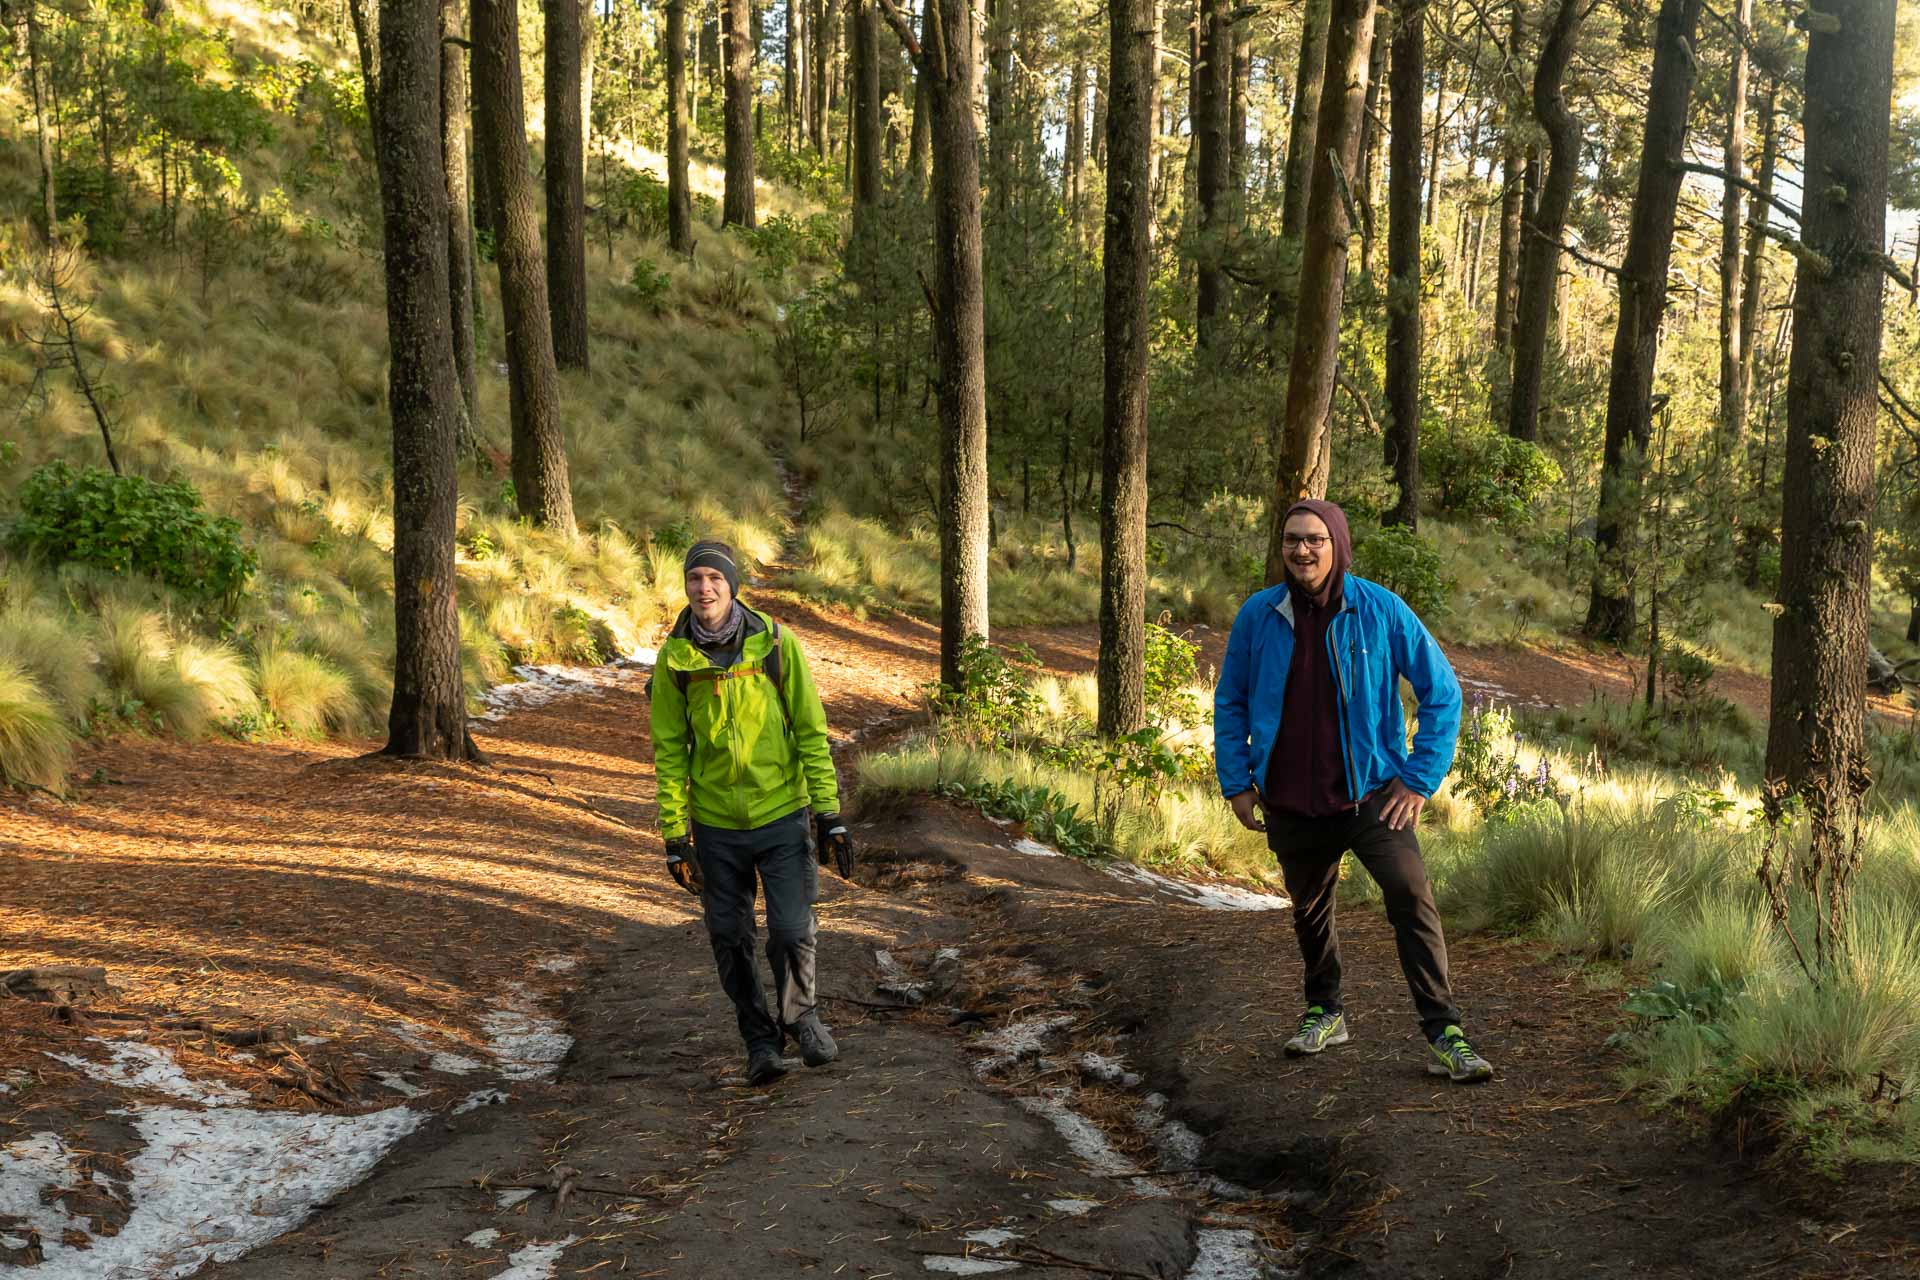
1044 812
783 241
1406 564
1172 669
649 284
128 524
1486 765
995 693
36 742
1484 473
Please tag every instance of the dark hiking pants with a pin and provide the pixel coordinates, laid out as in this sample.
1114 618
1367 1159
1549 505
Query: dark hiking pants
729 861
1309 852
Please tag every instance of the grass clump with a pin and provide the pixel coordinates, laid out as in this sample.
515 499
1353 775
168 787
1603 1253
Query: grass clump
36 742
307 696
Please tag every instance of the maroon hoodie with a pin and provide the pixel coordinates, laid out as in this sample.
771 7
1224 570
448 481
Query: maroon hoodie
1306 774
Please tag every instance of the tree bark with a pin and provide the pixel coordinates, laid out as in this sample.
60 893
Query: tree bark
1213 88
1439 126
1733 390
428 715
1076 135
1242 73
41 92
363 39
1099 134
789 71
1506 285
1155 152
1815 735
566 185
1120 675
1304 440
737 52
1370 133
540 482
865 42
1636 336
1540 234
679 188
1754 261
1308 76
453 149
1403 262
920 140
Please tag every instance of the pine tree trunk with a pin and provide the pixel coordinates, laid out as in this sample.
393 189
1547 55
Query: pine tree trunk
1076 135
789 68
1439 127
428 716
1099 132
453 149
737 209
1304 439
1213 89
1297 182
865 42
679 188
1370 147
1403 262
363 39
1815 735
1155 152
41 91
566 185
1128 264
1636 336
1242 73
1733 389
1754 261
920 139
540 481
1506 285
486 202
821 15
1540 234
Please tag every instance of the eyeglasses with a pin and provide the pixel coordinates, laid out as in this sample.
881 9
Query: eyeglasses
1311 541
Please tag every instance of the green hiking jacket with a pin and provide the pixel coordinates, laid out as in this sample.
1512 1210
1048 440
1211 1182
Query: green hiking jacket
723 748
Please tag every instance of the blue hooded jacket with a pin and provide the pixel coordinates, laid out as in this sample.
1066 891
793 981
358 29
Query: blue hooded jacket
1373 641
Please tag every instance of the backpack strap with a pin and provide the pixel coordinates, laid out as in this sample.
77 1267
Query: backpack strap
775 669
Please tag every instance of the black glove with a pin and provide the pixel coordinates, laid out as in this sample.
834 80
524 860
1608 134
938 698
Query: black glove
683 866
831 840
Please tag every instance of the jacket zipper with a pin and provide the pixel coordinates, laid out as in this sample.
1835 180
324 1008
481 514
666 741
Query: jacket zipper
1341 678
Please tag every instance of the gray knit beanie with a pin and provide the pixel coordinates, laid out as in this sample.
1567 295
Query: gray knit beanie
709 554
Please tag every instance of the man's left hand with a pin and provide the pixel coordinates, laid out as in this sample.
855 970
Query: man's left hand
1401 808
833 841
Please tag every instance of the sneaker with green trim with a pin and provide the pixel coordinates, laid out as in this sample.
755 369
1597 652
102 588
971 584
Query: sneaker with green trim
1454 1058
1319 1029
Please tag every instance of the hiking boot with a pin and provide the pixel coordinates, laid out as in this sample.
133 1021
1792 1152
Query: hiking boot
765 1065
1454 1058
1319 1029
817 1048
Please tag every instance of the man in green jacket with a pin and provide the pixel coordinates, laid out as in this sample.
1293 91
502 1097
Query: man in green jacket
740 755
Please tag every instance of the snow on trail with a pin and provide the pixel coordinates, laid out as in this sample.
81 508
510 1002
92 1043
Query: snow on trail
536 1261
540 684
1213 895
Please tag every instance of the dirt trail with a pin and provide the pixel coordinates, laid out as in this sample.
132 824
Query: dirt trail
435 933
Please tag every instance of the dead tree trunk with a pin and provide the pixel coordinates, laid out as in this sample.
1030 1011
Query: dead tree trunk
1304 440
540 482
1636 336
737 208
429 710
566 176
1403 262
1540 235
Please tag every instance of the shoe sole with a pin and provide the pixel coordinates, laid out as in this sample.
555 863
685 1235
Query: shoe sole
1295 1049
1459 1077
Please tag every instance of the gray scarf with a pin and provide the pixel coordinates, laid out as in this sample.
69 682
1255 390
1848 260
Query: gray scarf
726 634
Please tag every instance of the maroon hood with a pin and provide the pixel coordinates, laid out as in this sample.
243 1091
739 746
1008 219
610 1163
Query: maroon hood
1335 519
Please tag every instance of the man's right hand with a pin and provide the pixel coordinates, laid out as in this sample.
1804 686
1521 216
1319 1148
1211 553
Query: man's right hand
1246 807
683 866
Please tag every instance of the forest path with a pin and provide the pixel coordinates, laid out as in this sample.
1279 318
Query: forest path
1091 1084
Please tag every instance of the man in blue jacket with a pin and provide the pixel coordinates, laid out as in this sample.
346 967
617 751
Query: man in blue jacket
1309 735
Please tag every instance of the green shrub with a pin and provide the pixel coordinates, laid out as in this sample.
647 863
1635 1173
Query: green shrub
1487 474
36 746
1406 564
128 524
649 283
995 693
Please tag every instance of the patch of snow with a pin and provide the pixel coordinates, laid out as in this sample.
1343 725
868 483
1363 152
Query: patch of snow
508 1199
954 1266
1073 1208
312 1039
1214 897
453 1064
539 685
556 964
1017 1041
1001 822
1085 1140
946 953
992 1237
206 1186
528 1046
399 1084
895 980
1180 1147
481 1098
483 1238
136 1065
1034 848
1108 1070
1225 1254
536 1261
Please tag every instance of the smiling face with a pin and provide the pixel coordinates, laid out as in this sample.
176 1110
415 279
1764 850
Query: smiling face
1308 549
708 595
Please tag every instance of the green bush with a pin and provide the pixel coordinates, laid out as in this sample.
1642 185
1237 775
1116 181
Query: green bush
1485 474
1406 564
995 693
129 524
649 283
